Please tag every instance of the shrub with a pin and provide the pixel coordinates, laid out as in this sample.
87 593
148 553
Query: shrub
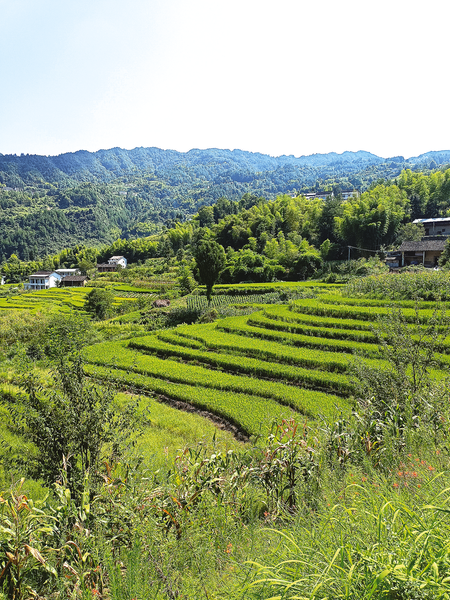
99 303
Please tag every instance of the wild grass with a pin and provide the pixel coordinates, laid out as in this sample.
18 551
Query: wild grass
376 537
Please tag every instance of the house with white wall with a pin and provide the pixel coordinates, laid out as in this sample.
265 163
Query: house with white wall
68 272
118 260
42 280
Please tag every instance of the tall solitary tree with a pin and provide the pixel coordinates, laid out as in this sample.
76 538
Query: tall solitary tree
211 260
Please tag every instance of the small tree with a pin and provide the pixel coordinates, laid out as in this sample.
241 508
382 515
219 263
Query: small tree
99 302
72 424
211 260
185 279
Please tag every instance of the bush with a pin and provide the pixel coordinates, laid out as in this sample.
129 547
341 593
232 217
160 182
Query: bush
99 303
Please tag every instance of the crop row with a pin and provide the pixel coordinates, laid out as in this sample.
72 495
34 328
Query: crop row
269 320
116 355
265 320
322 380
337 299
237 340
237 325
200 302
264 288
368 313
122 287
252 414
216 339
285 313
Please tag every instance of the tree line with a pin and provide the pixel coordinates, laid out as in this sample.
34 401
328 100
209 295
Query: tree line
288 237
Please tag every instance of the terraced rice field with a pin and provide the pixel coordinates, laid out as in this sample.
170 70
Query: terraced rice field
280 361
54 299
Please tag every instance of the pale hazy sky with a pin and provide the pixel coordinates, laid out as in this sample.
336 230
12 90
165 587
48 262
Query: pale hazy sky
272 76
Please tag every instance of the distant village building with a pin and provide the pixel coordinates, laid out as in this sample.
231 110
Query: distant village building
106 268
435 227
426 252
345 195
67 272
74 281
42 280
321 195
118 260
113 264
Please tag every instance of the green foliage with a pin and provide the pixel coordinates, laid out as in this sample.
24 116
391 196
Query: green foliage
409 232
69 423
407 285
373 218
210 262
26 533
444 259
428 193
400 552
397 397
99 303
185 280
247 265
65 336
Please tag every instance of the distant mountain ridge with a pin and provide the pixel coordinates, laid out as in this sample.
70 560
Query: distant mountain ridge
107 165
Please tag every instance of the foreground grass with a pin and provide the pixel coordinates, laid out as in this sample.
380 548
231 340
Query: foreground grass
360 534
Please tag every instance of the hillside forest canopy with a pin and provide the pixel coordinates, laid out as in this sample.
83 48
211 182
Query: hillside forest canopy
52 203
289 237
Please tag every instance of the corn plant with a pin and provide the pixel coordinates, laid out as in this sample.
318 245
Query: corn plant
26 535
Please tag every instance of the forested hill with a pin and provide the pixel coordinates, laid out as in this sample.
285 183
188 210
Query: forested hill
212 165
52 202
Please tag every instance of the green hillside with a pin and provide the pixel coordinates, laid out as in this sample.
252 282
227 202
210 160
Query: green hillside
51 203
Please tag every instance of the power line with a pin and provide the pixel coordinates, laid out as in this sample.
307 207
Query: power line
363 249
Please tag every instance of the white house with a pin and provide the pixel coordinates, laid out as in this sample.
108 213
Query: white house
42 280
439 226
118 260
67 272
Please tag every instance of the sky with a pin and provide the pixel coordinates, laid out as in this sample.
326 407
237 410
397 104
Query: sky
272 76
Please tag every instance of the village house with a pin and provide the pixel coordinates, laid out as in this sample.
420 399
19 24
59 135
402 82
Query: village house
425 252
435 227
74 281
68 272
42 280
113 264
106 268
118 260
345 195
